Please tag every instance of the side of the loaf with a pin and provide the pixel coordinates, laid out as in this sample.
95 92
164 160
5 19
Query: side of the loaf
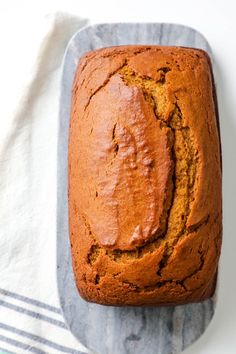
145 213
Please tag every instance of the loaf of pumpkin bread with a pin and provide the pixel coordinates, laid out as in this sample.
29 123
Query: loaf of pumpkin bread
145 214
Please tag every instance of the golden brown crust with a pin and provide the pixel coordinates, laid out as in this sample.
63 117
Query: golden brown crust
144 176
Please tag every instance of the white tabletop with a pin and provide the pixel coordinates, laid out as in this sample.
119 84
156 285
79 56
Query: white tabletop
19 21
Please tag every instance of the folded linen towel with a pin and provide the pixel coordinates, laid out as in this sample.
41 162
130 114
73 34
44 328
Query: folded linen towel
30 315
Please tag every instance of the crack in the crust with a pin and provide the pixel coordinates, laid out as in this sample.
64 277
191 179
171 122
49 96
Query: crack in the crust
93 254
87 59
113 72
139 252
181 282
186 231
119 256
95 249
198 225
86 79
97 279
116 145
147 288
164 260
151 90
163 71
148 86
103 84
198 269
202 261
158 285
113 131
189 195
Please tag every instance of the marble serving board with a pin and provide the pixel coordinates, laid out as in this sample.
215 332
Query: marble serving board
125 330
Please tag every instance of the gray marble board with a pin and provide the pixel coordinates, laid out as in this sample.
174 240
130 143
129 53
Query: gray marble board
127 330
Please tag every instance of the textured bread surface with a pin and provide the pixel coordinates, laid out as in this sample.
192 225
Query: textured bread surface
144 176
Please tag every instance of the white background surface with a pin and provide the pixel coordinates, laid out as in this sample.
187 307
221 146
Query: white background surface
19 26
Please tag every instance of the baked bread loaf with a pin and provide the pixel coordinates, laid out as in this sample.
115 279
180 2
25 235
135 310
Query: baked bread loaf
145 214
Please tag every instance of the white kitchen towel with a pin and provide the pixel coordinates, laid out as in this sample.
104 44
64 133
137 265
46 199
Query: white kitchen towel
30 316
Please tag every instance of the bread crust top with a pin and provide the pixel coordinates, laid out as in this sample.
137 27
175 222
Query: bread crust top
144 176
